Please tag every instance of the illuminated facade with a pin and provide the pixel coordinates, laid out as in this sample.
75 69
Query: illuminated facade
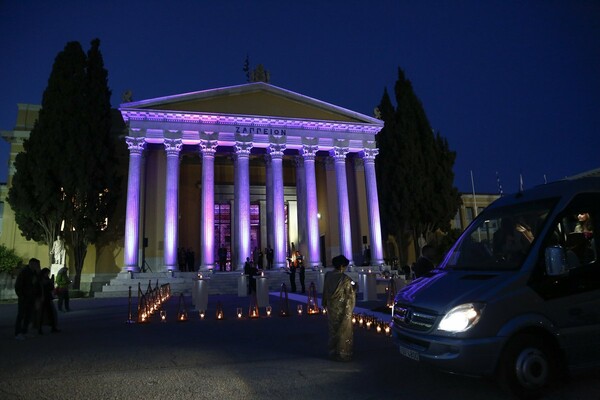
248 167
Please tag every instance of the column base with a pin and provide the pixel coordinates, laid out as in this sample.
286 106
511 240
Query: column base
131 268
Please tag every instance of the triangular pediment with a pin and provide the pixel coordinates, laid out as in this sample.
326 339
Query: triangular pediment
253 99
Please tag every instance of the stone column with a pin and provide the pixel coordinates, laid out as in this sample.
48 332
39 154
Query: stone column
301 243
132 216
207 222
312 221
368 156
173 149
339 156
242 202
269 208
276 152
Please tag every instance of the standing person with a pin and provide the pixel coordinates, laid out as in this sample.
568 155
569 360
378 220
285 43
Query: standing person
24 288
299 261
292 266
425 263
250 271
47 312
222 257
339 296
270 256
62 288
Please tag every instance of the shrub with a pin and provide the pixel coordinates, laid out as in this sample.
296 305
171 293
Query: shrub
10 262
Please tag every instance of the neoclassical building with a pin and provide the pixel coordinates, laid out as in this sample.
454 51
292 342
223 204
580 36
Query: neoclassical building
248 167
241 167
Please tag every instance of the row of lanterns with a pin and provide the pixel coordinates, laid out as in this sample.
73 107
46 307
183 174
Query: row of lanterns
149 302
370 322
152 300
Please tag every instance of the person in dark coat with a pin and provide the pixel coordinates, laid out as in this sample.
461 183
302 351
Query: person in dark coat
270 255
47 314
222 257
251 272
26 293
299 262
425 263
292 265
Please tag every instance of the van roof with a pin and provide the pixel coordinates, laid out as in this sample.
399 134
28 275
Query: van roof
563 188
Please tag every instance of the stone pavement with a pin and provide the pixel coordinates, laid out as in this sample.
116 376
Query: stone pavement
98 356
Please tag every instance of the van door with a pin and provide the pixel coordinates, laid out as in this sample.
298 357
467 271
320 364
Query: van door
572 301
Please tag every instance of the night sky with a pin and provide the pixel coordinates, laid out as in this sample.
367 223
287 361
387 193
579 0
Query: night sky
513 86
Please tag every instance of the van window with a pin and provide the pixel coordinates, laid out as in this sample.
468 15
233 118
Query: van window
576 231
500 238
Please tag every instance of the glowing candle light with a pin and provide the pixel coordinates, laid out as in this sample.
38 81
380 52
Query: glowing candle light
269 309
299 309
163 316
239 312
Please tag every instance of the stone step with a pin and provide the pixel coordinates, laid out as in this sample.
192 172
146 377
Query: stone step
183 282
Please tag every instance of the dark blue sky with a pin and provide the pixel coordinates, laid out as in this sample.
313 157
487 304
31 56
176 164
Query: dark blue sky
514 86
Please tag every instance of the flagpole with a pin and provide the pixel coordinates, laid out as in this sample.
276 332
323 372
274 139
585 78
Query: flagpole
475 203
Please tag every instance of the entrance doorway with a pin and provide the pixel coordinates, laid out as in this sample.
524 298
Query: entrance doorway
223 232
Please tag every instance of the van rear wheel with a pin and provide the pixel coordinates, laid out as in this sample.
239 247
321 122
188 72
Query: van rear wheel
527 365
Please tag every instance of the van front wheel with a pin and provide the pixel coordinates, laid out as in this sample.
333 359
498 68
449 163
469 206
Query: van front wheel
527 365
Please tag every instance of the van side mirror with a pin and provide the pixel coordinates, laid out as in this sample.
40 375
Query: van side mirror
556 261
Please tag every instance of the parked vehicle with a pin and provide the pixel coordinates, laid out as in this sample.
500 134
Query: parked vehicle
517 296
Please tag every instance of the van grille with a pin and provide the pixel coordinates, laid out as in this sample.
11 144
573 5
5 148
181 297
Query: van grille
410 318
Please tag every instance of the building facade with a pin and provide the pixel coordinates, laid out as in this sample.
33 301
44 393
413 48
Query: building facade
244 167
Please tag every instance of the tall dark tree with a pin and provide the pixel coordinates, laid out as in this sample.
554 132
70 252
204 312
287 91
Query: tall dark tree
414 169
91 185
68 169
36 194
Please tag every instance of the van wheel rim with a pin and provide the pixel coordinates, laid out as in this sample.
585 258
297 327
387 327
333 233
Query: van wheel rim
532 368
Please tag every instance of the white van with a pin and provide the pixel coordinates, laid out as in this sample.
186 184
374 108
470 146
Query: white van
517 296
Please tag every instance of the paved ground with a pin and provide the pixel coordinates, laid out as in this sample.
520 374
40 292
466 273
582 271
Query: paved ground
98 356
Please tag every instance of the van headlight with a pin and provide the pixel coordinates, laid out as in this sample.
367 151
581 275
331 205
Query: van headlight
461 318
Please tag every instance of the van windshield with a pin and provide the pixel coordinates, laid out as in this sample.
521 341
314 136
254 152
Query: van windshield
500 238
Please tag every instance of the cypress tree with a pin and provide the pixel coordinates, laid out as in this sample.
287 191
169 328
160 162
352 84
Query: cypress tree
68 170
36 194
414 169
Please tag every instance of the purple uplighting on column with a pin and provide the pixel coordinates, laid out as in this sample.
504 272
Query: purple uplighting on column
207 224
242 201
276 153
339 155
132 218
368 156
312 226
172 148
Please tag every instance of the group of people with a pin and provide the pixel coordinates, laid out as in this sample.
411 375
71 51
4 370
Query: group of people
186 260
296 264
257 260
35 290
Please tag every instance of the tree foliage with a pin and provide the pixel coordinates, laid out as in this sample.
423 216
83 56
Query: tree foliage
414 169
258 74
68 167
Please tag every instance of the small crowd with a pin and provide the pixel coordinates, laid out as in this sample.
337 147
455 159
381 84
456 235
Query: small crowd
36 290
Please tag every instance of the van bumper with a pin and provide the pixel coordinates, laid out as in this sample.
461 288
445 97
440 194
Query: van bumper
473 357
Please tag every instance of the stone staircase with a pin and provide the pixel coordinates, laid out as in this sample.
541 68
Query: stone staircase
183 282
